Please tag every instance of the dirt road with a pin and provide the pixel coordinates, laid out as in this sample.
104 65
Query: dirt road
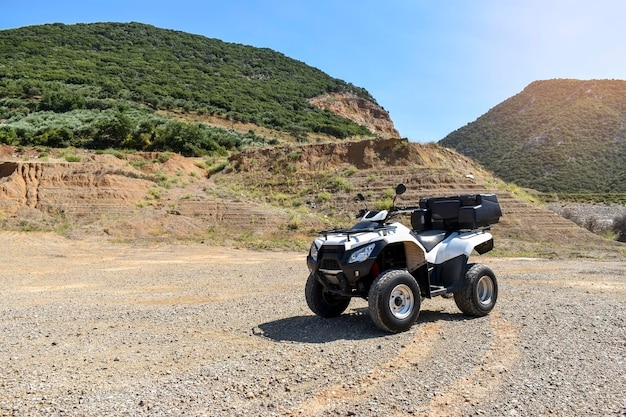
94 328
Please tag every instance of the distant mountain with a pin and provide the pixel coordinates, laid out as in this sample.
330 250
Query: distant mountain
119 84
555 136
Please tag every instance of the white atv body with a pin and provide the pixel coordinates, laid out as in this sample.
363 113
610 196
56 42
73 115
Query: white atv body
394 267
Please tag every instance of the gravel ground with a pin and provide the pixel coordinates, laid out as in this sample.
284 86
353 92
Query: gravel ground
99 329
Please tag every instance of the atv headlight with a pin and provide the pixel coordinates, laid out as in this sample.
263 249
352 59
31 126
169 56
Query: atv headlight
313 251
361 254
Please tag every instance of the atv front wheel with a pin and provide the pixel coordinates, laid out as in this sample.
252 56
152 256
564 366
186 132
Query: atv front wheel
322 302
394 300
479 291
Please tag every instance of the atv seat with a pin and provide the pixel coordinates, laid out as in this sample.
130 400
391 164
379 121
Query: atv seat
430 238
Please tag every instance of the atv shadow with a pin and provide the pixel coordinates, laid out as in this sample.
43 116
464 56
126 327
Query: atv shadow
431 316
355 325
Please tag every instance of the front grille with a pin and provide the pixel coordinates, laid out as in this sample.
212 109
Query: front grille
332 249
330 256
330 264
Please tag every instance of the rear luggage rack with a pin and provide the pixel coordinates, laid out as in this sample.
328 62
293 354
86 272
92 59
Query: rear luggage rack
468 211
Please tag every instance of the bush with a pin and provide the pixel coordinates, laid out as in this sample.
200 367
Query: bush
72 158
592 224
619 227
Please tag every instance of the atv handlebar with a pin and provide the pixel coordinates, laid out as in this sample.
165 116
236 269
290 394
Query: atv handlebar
407 209
393 211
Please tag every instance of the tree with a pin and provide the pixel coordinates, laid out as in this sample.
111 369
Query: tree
112 133
61 102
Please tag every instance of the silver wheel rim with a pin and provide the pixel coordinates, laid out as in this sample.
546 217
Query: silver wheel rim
401 301
484 290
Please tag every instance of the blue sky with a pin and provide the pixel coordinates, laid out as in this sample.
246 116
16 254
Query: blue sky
434 65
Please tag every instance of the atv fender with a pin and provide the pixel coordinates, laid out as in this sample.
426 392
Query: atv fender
459 244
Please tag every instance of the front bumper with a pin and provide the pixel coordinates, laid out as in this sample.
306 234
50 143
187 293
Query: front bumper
332 265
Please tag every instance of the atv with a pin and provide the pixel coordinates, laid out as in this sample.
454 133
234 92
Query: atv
395 267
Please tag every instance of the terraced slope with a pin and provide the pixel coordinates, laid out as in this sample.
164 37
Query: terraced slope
342 170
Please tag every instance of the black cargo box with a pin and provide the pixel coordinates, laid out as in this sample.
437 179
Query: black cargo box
468 211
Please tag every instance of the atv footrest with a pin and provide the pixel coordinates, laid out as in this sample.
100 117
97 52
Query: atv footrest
437 290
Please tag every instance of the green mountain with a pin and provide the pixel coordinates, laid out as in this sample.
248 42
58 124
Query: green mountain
555 136
112 85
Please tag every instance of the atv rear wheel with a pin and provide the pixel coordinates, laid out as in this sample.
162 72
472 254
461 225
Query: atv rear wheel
394 300
479 291
322 302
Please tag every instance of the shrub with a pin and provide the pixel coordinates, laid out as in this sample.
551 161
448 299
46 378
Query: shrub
324 196
384 204
72 158
294 223
592 224
164 157
217 168
619 227
350 171
154 193
389 193
338 183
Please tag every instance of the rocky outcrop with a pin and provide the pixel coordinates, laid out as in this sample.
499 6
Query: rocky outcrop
362 155
19 185
360 111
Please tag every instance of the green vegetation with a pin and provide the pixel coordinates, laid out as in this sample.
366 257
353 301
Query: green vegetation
100 86
70 156
556 136
338 183
324 196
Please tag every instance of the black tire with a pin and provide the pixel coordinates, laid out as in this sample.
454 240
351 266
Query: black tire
324 303
479 291
394 300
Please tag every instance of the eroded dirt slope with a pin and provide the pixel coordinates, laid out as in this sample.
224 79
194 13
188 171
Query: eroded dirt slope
262 197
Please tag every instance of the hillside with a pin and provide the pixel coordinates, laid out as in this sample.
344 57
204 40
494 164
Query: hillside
275 197
555 136
135 133
135 86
